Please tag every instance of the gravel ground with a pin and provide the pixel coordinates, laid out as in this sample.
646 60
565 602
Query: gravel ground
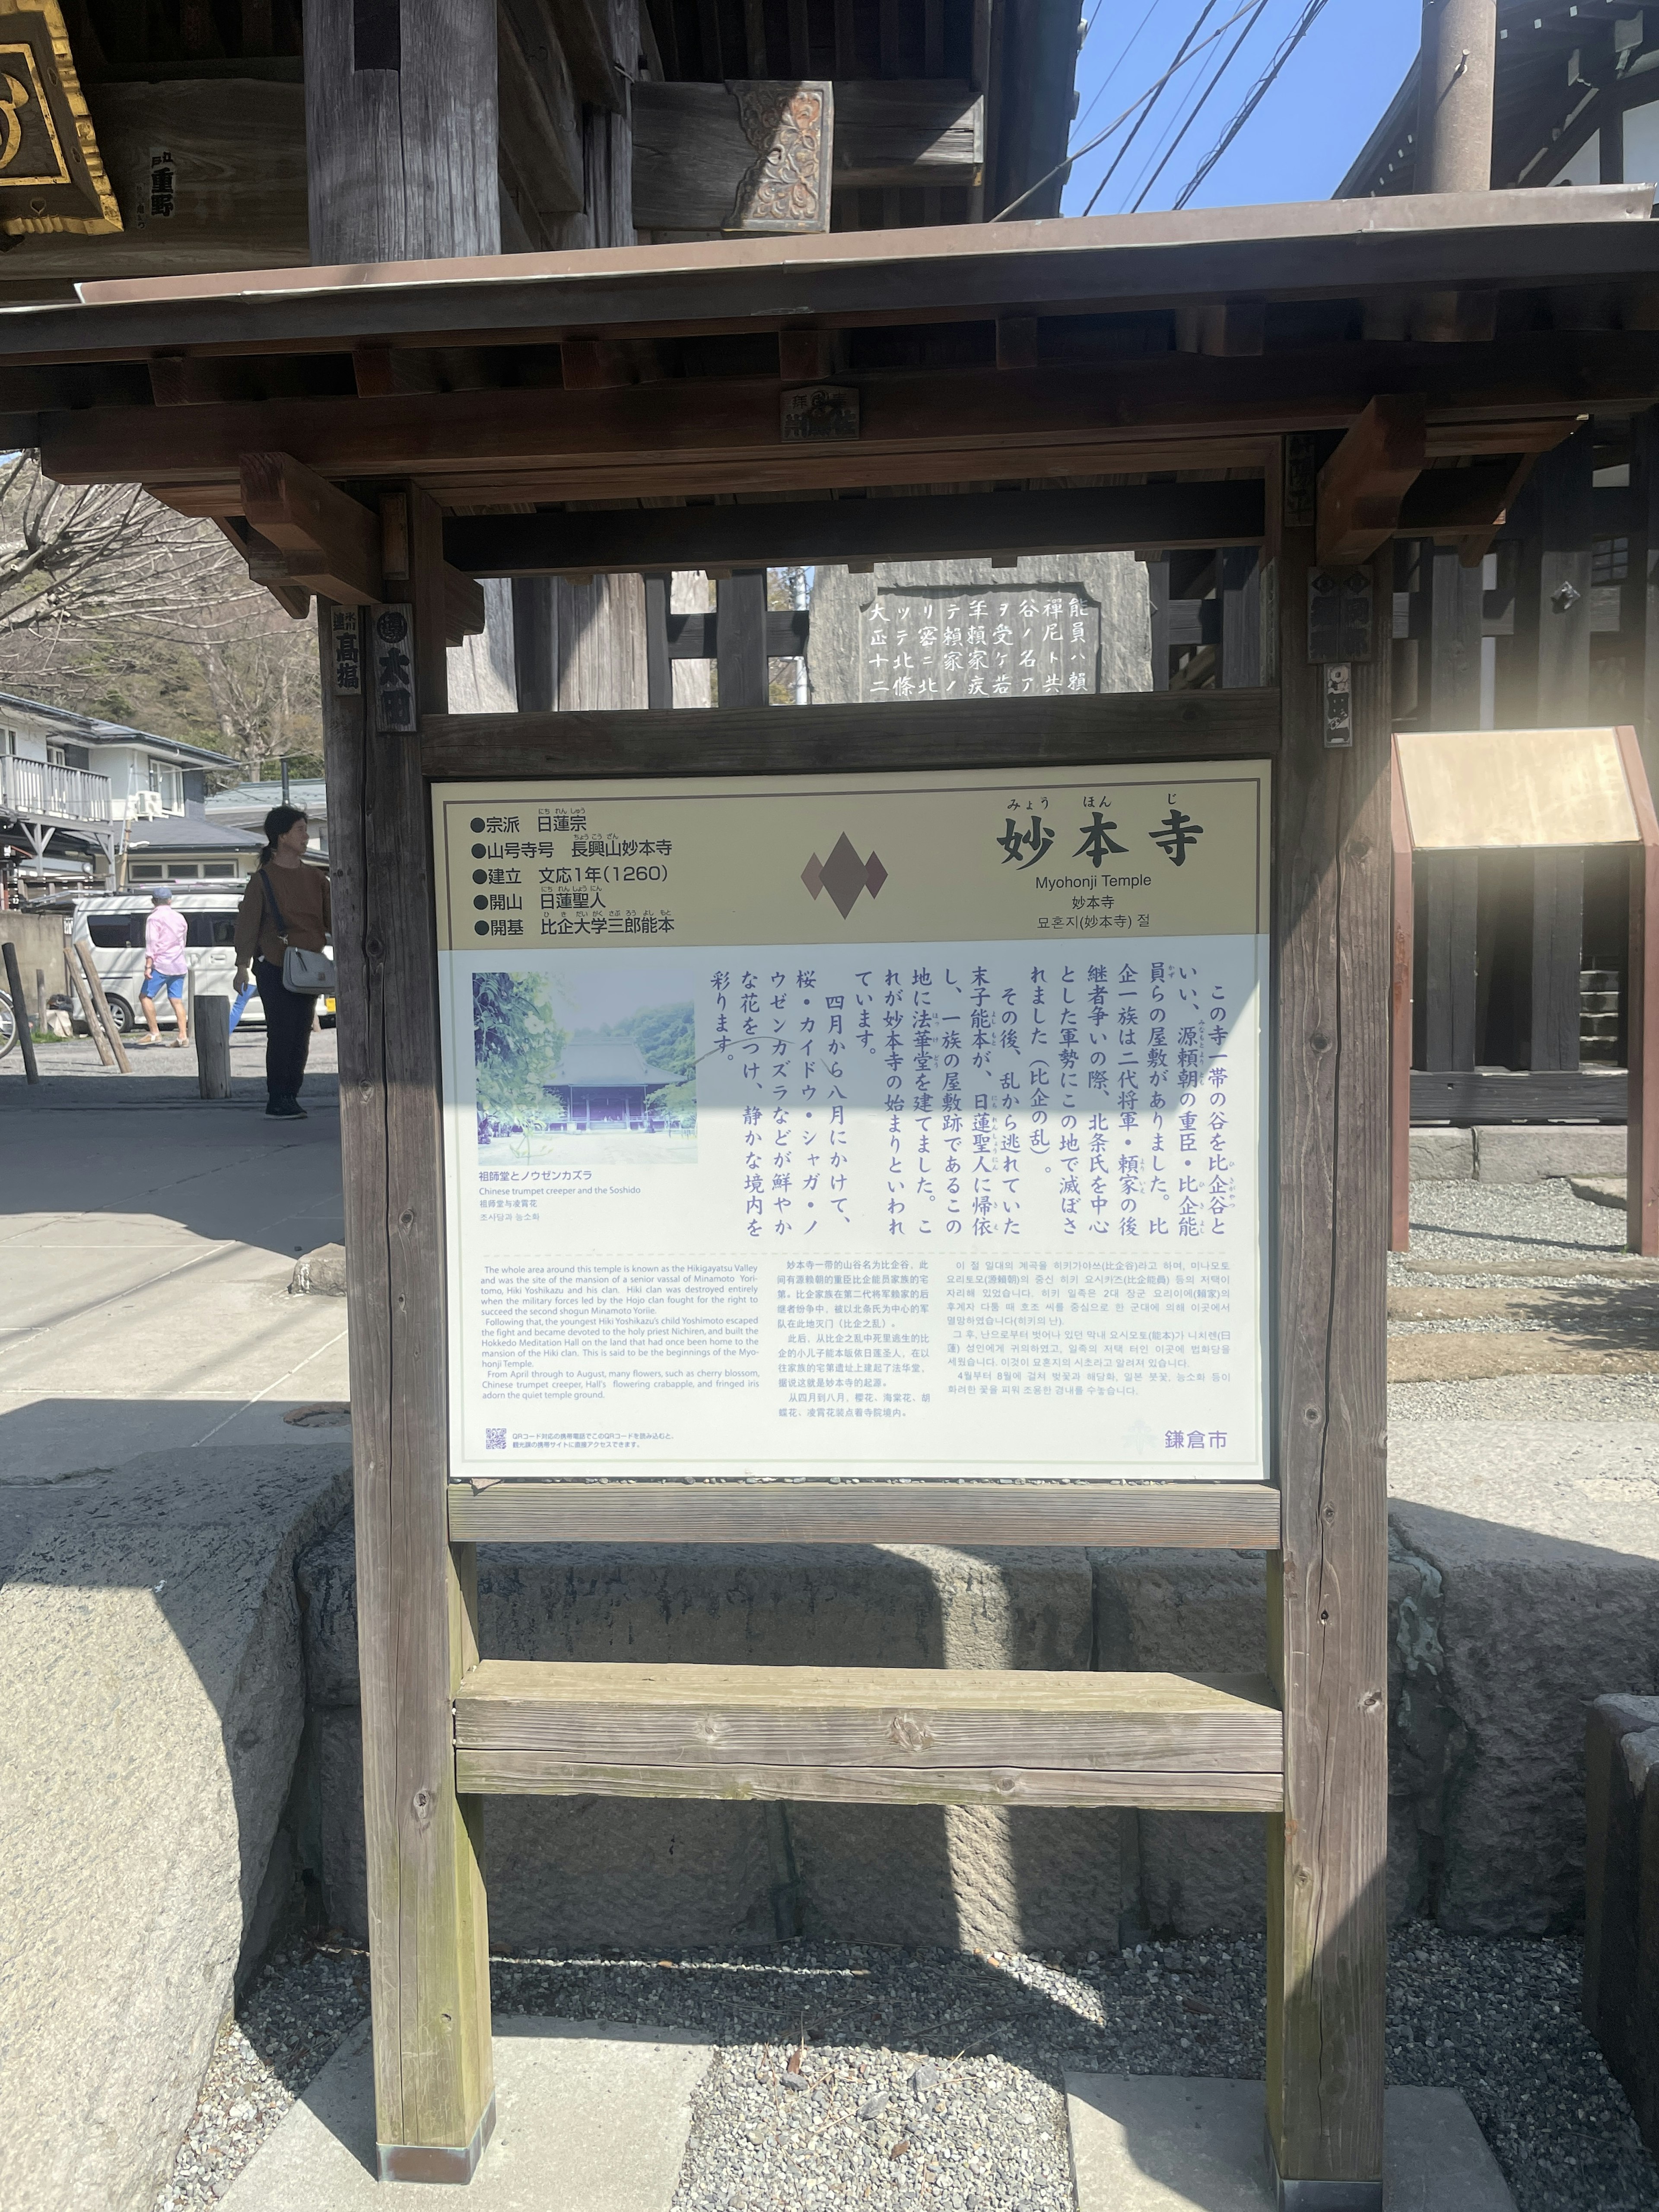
932 2077
1496 1221
1506 1224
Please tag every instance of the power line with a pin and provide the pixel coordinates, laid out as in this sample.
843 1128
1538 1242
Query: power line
1257 94
1198 25
1076 154
1222 68
1151 7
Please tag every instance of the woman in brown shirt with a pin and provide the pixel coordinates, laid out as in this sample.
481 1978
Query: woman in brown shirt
285 900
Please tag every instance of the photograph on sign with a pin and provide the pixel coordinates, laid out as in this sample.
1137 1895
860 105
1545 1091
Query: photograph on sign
885 1125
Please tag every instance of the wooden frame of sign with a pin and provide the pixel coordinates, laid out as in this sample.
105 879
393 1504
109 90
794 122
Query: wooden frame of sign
1571 789
443 1725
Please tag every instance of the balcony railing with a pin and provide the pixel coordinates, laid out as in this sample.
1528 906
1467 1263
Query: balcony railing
37 791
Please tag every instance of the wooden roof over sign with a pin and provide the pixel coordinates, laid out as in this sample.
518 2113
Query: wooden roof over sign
1043 370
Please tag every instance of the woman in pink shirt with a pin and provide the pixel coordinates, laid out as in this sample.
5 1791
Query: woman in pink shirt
165 934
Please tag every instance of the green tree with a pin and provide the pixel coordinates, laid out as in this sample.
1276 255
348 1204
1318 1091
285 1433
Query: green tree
667 1039
517 1044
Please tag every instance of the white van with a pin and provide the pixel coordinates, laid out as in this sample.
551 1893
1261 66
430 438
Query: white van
111 924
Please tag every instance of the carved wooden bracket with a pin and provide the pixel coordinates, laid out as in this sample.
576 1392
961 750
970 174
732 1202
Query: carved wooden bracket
1361 486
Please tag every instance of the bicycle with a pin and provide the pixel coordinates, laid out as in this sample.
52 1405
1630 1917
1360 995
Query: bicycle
7 1024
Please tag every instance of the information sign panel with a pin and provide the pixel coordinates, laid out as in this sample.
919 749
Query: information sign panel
888 1125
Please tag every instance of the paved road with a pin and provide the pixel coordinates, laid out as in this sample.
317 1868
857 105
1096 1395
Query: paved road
146 1241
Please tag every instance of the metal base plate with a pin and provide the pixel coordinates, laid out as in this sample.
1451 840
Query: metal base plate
444 2161
1322 2196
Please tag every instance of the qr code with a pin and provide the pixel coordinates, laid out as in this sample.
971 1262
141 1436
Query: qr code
495 1439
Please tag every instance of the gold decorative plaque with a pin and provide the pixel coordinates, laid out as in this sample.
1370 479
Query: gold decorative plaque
52 176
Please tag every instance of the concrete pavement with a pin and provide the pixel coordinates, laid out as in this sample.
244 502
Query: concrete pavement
146 1241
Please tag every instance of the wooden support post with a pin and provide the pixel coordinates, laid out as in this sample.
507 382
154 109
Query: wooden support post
95 994
1452 881
428 1945
1241 617
1641 1022
209 1023
1558 941
535 644
20 1012
1157 597
1400 1020
94 1024
1327 1603
659 667
740 639
1645 483
1561 490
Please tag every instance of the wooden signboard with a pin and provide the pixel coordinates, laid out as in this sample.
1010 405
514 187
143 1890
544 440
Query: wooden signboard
907 1125
577 1318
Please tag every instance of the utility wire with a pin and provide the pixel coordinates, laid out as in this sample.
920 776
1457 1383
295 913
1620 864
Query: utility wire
1257 94
1076 154
1197 109
1208 9
1094 97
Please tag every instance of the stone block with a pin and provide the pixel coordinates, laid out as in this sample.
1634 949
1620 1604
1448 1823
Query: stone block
321 1273
155 1697
1169 2143
975 1877
1538 1549
590 2117
770 1604
1566 1148
1621 1916
1442 1155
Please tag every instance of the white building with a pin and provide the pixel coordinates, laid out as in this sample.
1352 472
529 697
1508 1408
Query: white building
86 802
245 806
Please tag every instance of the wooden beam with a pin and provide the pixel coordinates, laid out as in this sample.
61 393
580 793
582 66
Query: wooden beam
1467 502
1230 1515
881 1735
963 525
899 131
328 542
1227 328
586 34
265 566
1363 484
696 637
659 437
702 154
1124 725
1328 1604
1516 1095
540 114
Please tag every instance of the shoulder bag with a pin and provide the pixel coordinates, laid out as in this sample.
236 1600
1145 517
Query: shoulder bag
310 975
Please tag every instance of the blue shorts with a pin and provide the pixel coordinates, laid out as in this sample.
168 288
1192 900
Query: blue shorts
163 987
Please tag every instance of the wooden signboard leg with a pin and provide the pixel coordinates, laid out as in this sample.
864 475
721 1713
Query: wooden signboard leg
1642 1015
1400 1021
1328 1596
429 1944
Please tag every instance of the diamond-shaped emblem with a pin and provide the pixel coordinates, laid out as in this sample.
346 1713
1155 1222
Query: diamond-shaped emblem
844 875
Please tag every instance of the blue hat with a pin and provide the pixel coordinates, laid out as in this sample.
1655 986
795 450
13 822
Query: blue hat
162 891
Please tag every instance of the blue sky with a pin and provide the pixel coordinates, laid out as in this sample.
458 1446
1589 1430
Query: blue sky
1300 139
